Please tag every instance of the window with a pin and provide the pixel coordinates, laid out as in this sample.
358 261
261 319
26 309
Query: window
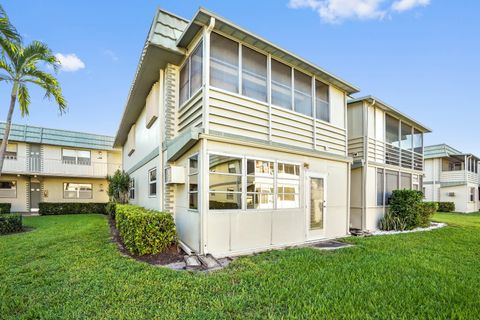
77 190
8 189
288 186
380 186
260 191
406 181
11 151
223 63
391 184
225 189
193 182
254 74
472 194
191 74
391 131
196 69
185 82
303 93
131 189
152 182
407 138
281 85
322 101
80 157
417 141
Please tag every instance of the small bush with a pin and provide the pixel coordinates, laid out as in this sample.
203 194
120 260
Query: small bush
5 207
446 206
110 208
144 231
10 222
428 209
56 208
406 205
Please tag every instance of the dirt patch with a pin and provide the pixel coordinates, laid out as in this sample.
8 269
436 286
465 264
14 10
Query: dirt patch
171 255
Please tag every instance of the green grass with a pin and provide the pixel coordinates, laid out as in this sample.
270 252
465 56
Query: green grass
68 268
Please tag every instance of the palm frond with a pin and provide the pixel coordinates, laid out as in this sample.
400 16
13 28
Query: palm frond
37 52
23 99
5 66
50 84
9 48
7 30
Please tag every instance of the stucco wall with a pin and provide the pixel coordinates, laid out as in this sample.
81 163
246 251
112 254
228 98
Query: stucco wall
53 189
142 197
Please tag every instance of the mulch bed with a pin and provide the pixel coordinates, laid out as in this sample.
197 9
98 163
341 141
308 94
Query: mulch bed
171 255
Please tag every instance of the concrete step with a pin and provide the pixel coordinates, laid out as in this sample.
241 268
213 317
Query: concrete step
209 262
192 262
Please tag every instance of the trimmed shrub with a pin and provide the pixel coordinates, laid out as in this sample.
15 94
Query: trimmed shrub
446 206
5 207
428 209
405 204
110 209
56 208
144 231
10 222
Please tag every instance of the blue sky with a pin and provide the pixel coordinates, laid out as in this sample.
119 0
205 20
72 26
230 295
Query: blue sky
420 56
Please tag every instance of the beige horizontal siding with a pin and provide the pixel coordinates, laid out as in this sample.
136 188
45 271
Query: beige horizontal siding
190 115
234 114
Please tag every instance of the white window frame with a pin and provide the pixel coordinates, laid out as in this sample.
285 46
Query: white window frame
187 60
150 195
78 190
243 193
76 157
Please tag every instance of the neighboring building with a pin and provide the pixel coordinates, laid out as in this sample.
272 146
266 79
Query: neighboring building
387 151
244 142
452 176
51 165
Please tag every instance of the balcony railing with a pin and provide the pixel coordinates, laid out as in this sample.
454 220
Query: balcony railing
59 167
383 152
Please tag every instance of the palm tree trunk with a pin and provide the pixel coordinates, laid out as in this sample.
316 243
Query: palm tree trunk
6 134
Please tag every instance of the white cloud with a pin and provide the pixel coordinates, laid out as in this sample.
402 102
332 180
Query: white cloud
335 11
404 5
69 62
112 55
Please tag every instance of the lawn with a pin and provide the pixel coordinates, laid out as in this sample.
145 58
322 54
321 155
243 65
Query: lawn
68 268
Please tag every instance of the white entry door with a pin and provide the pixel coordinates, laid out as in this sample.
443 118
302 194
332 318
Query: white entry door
316 200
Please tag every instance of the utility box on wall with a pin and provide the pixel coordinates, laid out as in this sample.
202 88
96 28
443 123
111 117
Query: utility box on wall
174 175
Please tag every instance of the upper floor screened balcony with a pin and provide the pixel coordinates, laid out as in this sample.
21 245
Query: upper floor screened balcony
380 134
460 167
254 95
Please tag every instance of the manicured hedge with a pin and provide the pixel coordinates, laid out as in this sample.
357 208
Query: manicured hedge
428 209
446 206
10 222
5 207
144 231
55 208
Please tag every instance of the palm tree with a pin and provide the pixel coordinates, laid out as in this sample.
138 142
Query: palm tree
20 66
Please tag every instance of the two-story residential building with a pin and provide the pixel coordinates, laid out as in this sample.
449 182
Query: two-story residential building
452 176
387 151
50 165
243 141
